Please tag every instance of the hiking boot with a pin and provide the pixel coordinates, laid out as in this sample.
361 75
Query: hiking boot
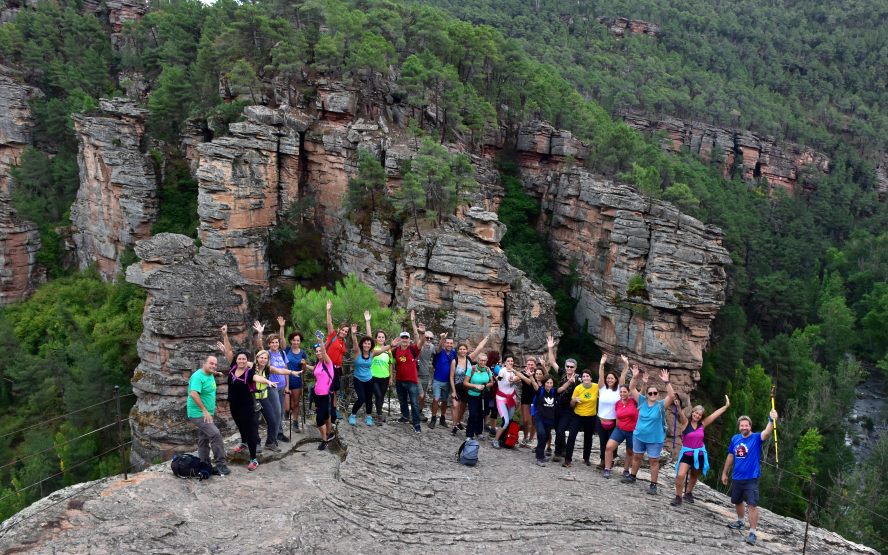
556 458
368 420
652 489
221 469
676 502
254 464
750 539
736 525
689 497
442 422
629 479
403 420
282 437
322 446
381 418
240 448
495 444
432 423
523 443
453 431
296 427
625 473
541 463
607 473
273 447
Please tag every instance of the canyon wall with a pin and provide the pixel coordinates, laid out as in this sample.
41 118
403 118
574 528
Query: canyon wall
623 26
117 200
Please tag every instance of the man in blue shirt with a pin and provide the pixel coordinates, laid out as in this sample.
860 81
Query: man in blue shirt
744 454
444 355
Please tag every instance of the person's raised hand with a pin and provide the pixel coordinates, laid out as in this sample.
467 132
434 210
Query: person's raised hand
366 315
635 370
727 401
644 377
773 415
354 329
625 359
420 327
550 341
258 326
664 375
224 329
329 305
281 321
603 360
220 346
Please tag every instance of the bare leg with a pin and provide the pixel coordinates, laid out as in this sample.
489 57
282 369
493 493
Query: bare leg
609 454
753 517
630 456
692 481
655 470
680 478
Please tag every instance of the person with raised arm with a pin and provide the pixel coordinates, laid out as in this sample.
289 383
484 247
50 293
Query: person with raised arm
649 432
529 387
270 402
441 362
242 380
380 368
363 376
297 360
584 401
335 347
505 396
405 353
608 395
459 367
567 382
281 376
626 410
744 455
693 456
544 414
200 407
323 394
424 371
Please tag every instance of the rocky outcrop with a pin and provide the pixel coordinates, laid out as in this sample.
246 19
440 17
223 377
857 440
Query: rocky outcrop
191 295
783 166
882 177
623 26
19 239
649 279
117 13
117 200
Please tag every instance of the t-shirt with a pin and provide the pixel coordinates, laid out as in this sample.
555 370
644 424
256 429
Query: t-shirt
276 359
335 348
294 363
649 427
205 385
480 375
691 438
747 452
627 415
362 368
381 366
545 404
441 363
503 381
588 403
405 364
424 362
607 399
564 397
323 378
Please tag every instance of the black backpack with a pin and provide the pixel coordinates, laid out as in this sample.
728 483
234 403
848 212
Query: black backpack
189 466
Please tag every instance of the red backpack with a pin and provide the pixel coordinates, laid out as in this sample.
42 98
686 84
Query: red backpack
511 435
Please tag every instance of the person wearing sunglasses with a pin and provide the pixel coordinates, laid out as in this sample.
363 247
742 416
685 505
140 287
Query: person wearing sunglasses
650 432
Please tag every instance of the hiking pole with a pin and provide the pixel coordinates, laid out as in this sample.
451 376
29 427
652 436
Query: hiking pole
674 427
776 449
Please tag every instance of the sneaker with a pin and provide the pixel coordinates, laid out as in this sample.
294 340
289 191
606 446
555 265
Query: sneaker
566 464
417 429
460 426
352 420
628 479
240 448
607 473
403 420
442 422
282 437
322 446
750 539
652 489
432 423
541 463
368 420
676 502
453 431
253 465
736 525
221 469
625 473
495 444
273 447
556 458
689 497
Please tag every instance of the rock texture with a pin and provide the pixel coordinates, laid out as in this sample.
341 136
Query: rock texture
623 26
608 234
117 199
191 294
117 13
19 239
388 490
783 166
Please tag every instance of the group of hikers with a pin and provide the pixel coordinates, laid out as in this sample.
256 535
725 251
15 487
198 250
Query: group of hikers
555 405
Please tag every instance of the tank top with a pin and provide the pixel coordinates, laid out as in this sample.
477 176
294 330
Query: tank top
691 438
607 399
459 375
240 389
363 371
381 366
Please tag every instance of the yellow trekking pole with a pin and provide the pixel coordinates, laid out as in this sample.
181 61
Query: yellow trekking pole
776 449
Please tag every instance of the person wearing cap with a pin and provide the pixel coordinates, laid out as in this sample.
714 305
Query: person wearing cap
405 353
424 371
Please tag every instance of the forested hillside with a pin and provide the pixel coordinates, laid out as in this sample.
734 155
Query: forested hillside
808 298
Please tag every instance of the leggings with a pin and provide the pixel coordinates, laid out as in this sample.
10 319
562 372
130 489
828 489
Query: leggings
247 424
563 421
543 429
603 436
505 412
587 425
271 410
364 392
476 416
380 387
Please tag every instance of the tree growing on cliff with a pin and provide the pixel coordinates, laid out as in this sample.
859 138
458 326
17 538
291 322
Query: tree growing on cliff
446 178
410 198
367 193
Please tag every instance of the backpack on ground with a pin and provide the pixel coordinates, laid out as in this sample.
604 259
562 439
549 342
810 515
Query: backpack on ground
511 439
189 466
468 452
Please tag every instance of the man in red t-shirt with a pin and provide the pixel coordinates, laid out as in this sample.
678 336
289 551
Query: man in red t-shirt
405 353
335 346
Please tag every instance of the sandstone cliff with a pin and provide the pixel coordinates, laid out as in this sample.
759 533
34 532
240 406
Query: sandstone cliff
191 295
19 239
623 26
782 165
117 200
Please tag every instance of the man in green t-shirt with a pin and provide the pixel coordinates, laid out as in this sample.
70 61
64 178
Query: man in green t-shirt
201 405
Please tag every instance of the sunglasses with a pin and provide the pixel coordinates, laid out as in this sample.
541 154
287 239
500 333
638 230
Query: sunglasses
570 366
652 393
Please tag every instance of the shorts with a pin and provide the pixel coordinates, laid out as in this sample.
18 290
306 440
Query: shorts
688 458
745 490
440 390
322 409
337 379
619 436
295 382
652 449
462 394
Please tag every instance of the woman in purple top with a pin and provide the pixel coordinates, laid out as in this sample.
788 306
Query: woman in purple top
323 373
693 456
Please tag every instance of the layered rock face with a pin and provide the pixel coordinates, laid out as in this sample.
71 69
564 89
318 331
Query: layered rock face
19 239
783 166
191 295
623 26
117 200
117 13
608 234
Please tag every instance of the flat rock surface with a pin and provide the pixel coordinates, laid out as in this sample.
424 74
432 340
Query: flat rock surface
388 488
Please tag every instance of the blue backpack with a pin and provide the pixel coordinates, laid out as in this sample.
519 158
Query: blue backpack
468 452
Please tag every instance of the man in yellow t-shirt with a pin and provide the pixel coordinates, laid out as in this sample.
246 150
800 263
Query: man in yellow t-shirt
584 401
